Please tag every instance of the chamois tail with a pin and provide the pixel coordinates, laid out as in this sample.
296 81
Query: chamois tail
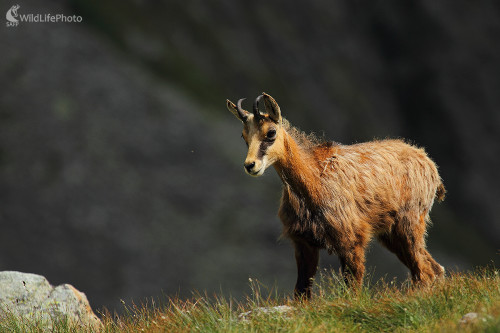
440 192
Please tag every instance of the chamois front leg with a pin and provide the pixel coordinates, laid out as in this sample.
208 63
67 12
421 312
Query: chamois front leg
307 258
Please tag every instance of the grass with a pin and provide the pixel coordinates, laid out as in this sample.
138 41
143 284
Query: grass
378 307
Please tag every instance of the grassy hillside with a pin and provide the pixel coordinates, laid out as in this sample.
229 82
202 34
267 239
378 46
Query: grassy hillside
378 307
115 134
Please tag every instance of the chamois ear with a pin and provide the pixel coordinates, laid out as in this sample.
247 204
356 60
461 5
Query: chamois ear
237 110
272 108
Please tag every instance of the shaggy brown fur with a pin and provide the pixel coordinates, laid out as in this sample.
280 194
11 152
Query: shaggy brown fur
337 197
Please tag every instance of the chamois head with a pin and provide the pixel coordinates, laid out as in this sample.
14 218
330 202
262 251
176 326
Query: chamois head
263 133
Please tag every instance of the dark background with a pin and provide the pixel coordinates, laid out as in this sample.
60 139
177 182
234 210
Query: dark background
121 169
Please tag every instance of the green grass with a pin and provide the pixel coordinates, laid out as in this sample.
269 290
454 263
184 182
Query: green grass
378 307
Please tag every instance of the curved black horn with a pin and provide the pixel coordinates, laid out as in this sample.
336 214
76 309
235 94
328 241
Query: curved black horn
241 113
256 111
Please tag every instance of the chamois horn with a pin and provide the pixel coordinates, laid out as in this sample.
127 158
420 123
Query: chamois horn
241 113
256 111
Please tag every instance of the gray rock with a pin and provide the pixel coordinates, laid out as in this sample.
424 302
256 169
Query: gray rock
474 317
34 300
469 318
281 310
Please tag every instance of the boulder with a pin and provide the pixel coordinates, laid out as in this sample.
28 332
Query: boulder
34 301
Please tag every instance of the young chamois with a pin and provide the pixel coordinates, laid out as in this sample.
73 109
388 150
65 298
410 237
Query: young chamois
337 197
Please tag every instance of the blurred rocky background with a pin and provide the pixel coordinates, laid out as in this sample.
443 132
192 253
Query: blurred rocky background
121 169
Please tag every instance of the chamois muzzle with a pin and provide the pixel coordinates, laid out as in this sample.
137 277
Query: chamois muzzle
249 166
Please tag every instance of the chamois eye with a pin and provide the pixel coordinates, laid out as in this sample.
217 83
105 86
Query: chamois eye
271 134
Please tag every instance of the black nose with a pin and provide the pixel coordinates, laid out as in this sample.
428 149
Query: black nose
249 166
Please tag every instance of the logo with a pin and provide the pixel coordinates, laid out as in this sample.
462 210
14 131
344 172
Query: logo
11 16
14 18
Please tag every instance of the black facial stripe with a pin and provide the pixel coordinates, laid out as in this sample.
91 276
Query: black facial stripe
263 147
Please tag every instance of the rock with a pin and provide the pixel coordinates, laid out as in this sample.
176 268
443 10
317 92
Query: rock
469 318
280 310
32 298
473 317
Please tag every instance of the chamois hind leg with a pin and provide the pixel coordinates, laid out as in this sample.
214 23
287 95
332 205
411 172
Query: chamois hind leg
437 268
307 258
352 260
407 241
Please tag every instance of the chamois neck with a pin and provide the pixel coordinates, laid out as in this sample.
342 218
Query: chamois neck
296 168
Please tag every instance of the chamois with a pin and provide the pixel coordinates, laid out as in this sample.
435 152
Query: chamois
337 197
